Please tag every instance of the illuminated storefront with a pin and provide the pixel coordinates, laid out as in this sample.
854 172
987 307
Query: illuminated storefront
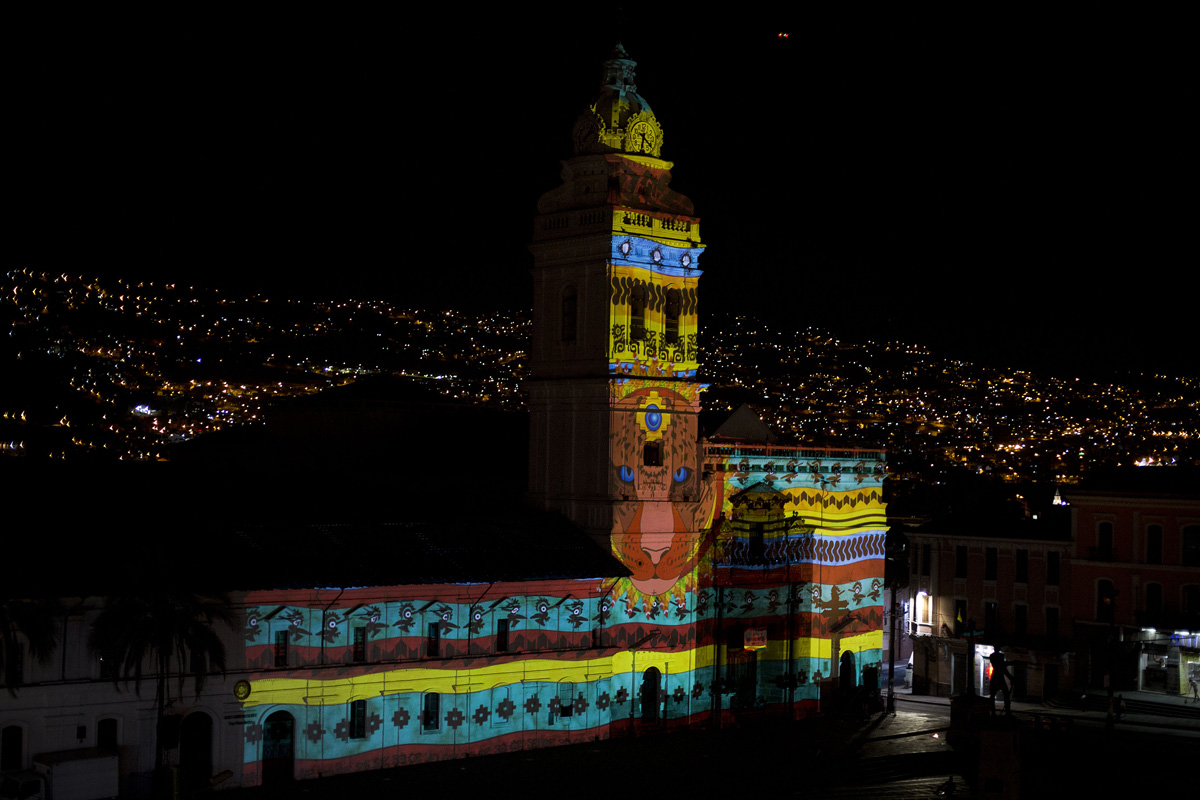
1168 660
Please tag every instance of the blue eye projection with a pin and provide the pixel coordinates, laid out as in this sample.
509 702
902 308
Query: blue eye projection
681 474
653 417
627 474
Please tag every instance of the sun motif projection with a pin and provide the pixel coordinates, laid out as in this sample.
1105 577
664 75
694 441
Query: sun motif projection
651 417
661 524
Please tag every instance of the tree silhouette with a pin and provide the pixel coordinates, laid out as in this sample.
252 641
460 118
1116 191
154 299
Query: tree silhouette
160 628
31 620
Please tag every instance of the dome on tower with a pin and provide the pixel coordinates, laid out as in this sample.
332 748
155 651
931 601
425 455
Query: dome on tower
618 120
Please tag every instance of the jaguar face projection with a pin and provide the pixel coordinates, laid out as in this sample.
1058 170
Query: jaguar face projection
662 518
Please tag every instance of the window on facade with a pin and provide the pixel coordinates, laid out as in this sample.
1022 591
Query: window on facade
1052 567
1191 546
430 711
671 325
566 701
1154 539
1191 600
652 454
741 676
501 635
433 640
989 564
502 702
960 616
1020 619
358 719
108 668
960 561
926 558
14 666
991 620
570 313
1104 541
923 607
281 648
1106 601
360 644
756 542
1154 600
1052 622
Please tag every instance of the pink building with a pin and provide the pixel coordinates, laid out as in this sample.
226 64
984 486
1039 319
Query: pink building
1135 598
1010 578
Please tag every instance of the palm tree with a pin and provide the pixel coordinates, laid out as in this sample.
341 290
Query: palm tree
33 621
162 627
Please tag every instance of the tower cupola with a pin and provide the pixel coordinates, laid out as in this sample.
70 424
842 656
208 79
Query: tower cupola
618 120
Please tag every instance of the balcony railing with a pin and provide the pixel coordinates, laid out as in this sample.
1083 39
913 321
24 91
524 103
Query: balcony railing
795 451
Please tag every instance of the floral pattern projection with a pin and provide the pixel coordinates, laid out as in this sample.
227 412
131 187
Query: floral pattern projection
561 672
812 522
654 325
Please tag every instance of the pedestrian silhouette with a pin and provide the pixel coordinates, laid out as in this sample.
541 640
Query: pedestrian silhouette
1001 680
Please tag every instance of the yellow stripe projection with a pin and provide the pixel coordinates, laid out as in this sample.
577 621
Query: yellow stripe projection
300 691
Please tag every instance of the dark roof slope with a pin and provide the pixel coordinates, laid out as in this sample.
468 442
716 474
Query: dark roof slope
1053 524
470 548
71 533
744 425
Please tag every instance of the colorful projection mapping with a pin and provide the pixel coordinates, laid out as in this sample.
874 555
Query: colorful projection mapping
755 570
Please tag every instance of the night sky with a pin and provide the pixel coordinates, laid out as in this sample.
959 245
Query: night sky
999 188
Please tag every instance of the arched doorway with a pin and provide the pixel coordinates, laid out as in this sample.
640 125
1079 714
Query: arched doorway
847 674
107 734
12 750
195 750
278 748
650 683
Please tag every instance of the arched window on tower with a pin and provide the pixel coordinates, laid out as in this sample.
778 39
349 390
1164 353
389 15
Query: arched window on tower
570 313
637 312
672 317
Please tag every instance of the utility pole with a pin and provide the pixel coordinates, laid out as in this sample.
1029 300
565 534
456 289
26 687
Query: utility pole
895 567
1110 603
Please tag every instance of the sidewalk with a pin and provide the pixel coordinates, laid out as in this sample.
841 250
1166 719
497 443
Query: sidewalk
1148 709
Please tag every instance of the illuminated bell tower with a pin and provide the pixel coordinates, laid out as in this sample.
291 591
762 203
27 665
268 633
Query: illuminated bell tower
613 393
